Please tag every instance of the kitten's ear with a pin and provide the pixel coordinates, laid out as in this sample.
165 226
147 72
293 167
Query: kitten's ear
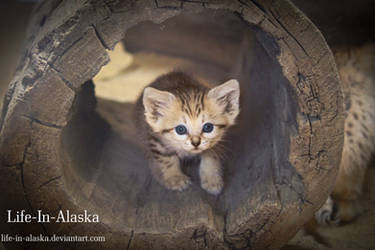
227 96
156 103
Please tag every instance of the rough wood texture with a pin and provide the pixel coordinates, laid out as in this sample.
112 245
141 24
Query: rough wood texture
57 153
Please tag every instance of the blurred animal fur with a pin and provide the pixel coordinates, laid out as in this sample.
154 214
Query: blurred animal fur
179 117
357 72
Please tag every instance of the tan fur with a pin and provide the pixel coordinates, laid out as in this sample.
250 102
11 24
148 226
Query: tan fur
210 173
177 99
357 72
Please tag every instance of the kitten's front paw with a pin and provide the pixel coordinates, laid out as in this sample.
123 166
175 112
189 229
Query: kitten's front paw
212 184
177 182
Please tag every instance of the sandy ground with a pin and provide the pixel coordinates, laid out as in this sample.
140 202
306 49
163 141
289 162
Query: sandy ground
123 80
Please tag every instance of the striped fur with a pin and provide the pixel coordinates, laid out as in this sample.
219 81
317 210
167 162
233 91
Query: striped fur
356 67
177 99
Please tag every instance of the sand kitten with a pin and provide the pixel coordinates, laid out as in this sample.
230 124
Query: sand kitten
357 72
183 118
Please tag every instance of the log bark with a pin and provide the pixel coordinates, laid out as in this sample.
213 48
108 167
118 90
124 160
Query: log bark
58 153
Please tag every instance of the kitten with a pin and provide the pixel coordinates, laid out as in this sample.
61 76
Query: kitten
356 68
179 118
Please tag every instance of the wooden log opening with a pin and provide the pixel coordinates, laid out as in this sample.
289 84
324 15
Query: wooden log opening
59 153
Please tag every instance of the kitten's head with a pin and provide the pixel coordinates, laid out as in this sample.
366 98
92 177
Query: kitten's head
195 120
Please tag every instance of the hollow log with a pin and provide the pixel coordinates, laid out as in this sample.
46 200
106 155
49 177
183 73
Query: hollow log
58 153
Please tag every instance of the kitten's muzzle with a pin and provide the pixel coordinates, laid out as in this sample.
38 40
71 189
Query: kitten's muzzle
195 141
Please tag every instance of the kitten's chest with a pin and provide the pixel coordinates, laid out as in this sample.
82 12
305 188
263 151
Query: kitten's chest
186 157
191 160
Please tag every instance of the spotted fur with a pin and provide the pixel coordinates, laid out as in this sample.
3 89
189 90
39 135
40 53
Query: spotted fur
178 99
357 72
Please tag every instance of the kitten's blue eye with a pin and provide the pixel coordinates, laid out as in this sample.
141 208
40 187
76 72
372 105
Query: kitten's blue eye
181 130
208 127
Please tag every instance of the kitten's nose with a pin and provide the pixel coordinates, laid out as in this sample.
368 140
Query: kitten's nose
195 141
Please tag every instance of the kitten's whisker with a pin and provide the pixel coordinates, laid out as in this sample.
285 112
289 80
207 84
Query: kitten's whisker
178 102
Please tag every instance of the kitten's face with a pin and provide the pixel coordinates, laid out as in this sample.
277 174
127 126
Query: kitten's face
192 123
193 133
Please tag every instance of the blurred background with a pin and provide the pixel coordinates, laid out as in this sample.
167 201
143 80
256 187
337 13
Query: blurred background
14 16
